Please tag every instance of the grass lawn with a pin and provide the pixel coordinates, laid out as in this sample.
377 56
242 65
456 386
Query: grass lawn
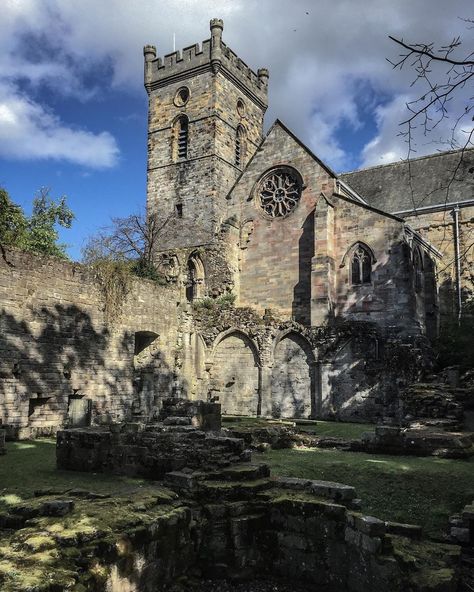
415 490
350 431
31 465
422 491
337 429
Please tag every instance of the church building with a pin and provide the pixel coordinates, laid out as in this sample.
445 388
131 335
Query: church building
340 282
287 290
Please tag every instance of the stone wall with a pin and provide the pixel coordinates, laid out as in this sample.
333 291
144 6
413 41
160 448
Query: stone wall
292 377
278 249
149 453
438 228
299 265
233 522
389 298
199 182
434 184
61 346
351 371
234 375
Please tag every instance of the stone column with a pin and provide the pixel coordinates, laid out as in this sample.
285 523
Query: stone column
315 389
265 383
324 406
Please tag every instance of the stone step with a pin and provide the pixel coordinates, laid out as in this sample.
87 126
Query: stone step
241 472
177 421
234 490
338 492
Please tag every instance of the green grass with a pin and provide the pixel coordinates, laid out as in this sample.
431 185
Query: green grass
423 491
31 465
336 429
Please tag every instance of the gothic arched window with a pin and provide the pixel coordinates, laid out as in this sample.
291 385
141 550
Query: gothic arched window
180 138
418 269
361 265
240 145
195 278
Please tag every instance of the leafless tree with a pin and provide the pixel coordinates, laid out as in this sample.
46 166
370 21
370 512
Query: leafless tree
445 74
133 238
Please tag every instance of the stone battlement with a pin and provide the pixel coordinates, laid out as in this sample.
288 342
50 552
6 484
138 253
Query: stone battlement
213 54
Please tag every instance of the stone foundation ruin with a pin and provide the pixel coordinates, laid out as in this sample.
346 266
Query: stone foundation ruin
222 516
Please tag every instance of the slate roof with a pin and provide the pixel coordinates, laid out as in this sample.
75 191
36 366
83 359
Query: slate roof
435 179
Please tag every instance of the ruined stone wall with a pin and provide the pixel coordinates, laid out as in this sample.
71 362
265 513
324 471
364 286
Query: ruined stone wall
350 371
292 377
60 345
234 376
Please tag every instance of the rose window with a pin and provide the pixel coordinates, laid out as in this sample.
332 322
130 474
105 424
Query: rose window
279 193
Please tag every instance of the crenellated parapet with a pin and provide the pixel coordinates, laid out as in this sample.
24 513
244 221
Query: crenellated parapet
212 55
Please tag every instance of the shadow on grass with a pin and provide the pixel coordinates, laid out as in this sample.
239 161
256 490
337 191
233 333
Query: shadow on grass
30 466
423 491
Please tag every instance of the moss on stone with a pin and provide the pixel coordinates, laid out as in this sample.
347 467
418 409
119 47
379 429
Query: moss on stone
46 551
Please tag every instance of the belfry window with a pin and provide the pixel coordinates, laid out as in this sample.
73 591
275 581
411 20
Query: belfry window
181 137
240 146
361 266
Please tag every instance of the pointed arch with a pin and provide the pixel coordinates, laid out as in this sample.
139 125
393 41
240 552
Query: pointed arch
195 278
240 145
418 269
293 381
180 140
361 259
292 333
234 375
431 297
238 333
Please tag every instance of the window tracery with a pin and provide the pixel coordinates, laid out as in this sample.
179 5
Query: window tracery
279 192
361 266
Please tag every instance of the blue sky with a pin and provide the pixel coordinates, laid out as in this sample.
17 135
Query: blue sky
73 107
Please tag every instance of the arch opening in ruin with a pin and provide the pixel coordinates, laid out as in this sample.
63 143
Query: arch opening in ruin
234 375
293 383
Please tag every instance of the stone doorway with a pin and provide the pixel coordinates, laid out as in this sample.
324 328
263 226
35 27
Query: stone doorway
234 376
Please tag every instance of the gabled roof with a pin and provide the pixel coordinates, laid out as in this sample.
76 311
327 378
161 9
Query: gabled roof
424 181
279 123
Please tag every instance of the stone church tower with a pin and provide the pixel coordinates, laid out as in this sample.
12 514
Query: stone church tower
206 110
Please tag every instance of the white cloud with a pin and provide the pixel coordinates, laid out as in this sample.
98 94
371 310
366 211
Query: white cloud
321 56
28 131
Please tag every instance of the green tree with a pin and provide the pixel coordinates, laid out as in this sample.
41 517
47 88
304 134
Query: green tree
13 222
37 233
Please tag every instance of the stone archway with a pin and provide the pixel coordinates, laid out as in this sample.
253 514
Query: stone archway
234 375
292 377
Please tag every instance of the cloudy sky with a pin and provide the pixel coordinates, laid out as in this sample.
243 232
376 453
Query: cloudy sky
73 107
